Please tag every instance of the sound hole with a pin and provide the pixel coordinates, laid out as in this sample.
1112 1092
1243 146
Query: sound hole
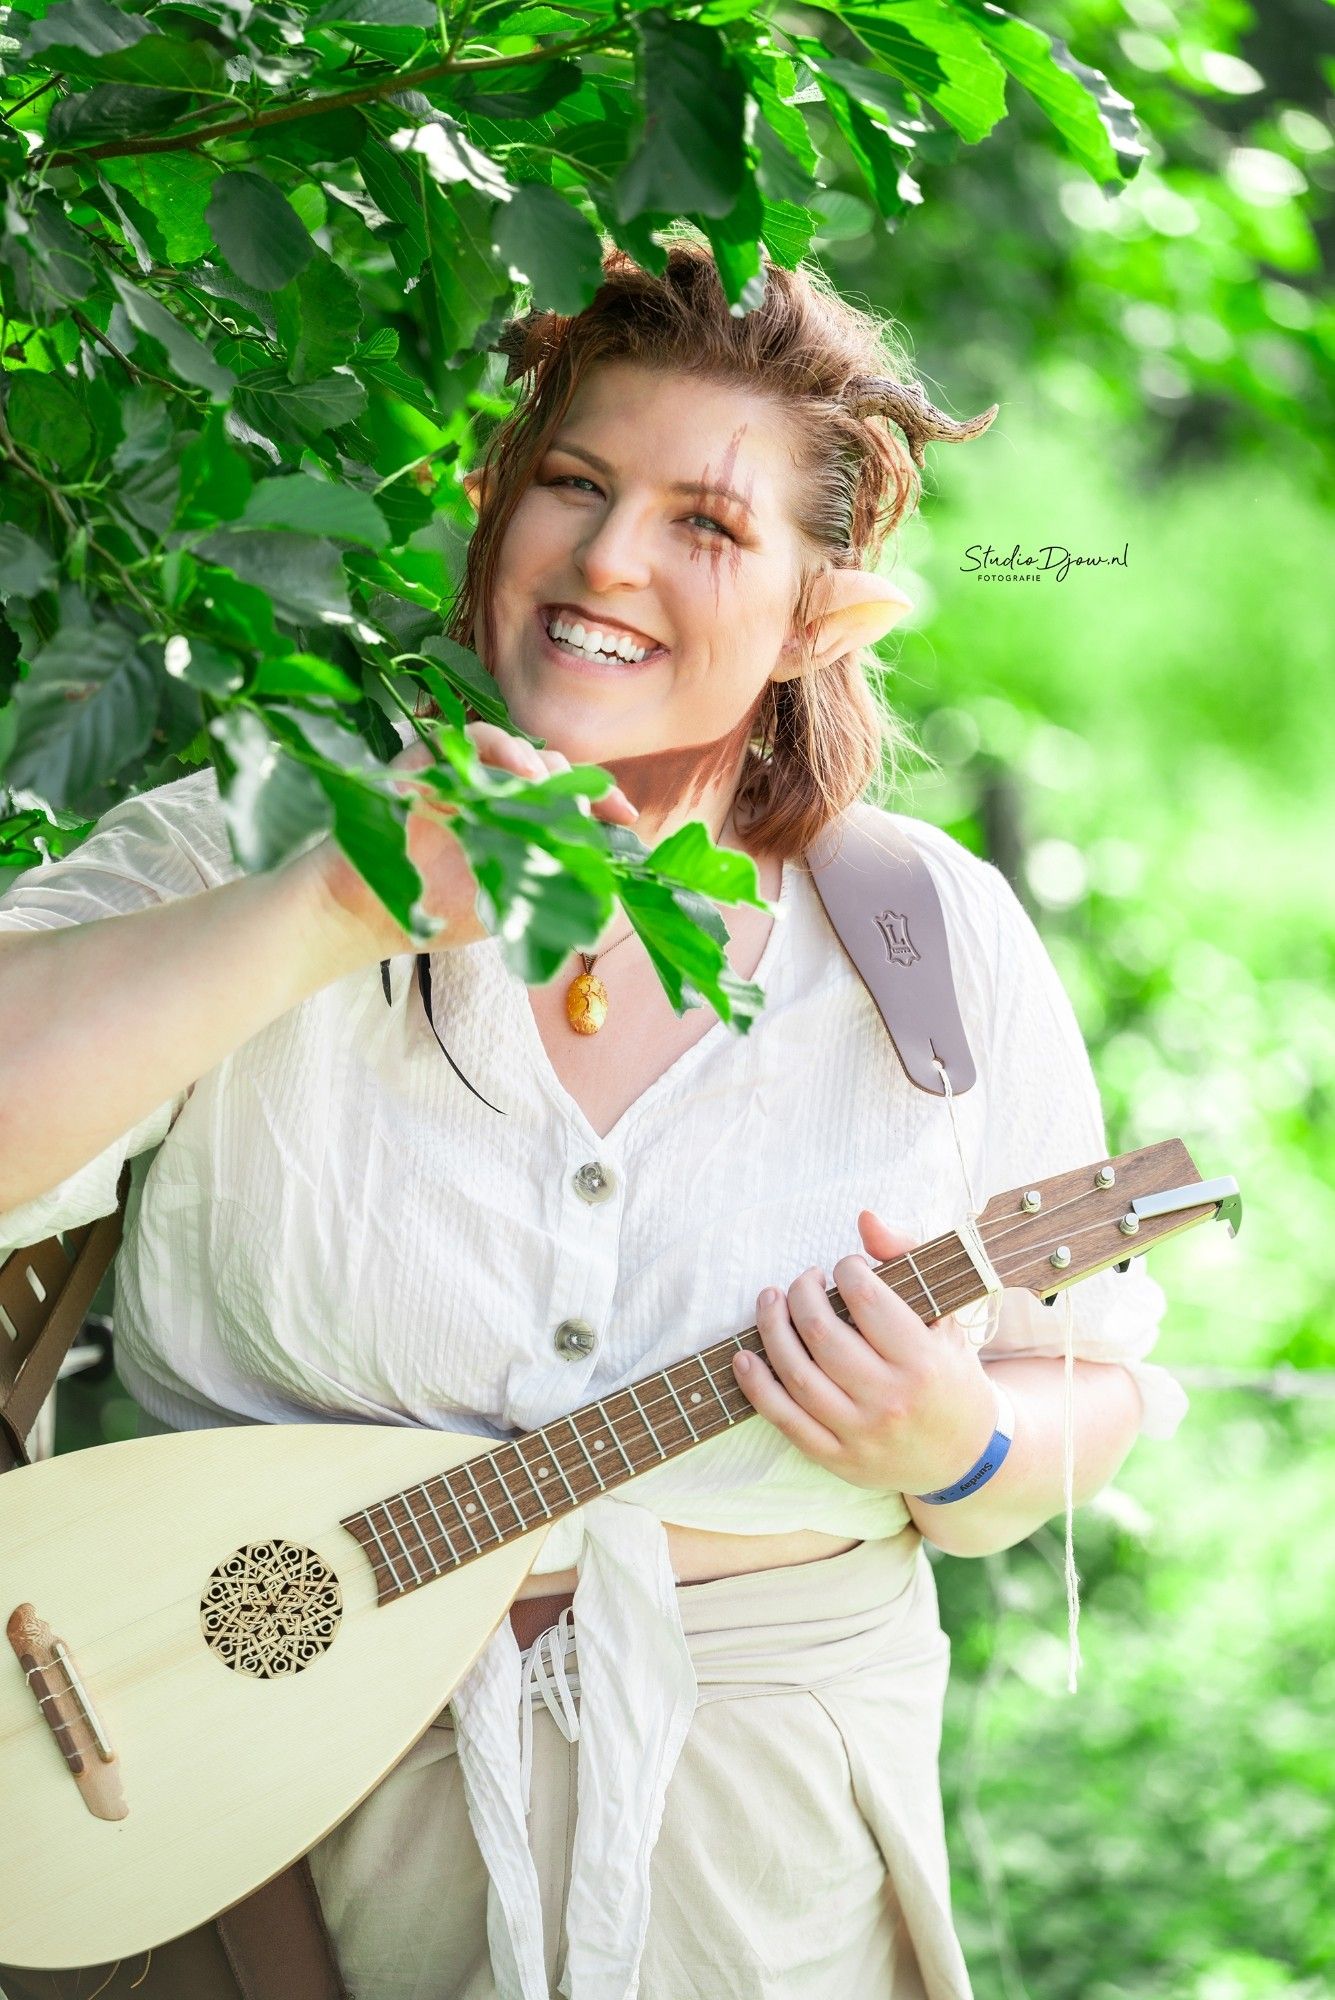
271 1609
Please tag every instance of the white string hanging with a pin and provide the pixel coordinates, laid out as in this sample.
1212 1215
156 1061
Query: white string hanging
1074 1658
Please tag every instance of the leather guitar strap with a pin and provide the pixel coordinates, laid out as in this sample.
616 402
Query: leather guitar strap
880 897
882 902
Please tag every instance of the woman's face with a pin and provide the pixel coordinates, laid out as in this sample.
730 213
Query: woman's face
625 529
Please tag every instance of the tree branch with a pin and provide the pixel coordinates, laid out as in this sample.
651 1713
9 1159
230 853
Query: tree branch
285 114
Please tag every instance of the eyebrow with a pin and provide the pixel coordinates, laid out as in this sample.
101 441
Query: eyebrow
690 487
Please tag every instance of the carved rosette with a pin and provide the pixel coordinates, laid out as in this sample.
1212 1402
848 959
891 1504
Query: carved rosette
270 1609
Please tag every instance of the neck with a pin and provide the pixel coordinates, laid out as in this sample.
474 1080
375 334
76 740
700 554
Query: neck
690 781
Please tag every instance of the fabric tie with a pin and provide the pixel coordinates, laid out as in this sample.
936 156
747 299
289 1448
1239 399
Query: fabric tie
631 1728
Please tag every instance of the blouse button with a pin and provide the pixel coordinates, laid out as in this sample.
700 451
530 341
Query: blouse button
574 1339
593 1182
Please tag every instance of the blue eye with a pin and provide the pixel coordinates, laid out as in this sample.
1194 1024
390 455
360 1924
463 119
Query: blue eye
581 479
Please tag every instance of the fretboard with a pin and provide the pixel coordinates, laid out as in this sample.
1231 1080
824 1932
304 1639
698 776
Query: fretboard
432 1529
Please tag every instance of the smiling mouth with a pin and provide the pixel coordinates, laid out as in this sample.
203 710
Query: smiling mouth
579 639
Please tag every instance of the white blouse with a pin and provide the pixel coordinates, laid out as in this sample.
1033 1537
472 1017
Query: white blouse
329 1226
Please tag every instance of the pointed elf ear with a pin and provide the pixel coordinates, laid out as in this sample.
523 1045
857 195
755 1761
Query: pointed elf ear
851 608
472 485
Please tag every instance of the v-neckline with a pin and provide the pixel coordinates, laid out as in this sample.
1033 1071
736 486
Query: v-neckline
681 1065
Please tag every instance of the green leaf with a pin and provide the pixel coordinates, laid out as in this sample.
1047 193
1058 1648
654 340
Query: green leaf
174 188
45 417
383 13
306 407
86 710
787 231
302 577
149 496
256 230
215 478
536 92
319 316
927 46
270 801
54 265
1096 121
112 111
451 156
187 354
25 566
466 280
82 27
316 507
545 242
465 673
691 156
735 241
302 676
394 380
394 188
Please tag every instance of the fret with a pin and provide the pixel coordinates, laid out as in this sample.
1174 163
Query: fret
560 1469
385 1555
708 1375
494 1464
542 1497
445 1533
389 1516
690 1427
593 1468
469 1474
926 1288
464 1521
432 1559
612 1433
640 1412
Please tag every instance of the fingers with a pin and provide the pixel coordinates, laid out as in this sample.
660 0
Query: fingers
508 752
814 1368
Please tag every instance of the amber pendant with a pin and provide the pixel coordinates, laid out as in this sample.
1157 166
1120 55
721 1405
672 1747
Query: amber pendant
586 1004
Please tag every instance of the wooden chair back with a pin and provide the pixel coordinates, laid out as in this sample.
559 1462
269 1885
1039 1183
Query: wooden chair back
46 1290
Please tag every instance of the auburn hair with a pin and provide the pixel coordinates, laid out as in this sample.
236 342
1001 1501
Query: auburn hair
823 739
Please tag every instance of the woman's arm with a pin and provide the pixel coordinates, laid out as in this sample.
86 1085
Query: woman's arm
1028 1490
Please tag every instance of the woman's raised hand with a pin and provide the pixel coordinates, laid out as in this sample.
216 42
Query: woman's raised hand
450 888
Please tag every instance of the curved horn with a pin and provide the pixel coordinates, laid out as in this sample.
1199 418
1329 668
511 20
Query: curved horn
513 341
904 402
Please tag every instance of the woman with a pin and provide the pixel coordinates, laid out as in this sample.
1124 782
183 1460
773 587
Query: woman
701 1759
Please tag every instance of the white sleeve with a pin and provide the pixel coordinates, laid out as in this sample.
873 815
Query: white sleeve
146 850
1043 1118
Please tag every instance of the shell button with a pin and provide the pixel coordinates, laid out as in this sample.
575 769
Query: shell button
574 1339
594 1182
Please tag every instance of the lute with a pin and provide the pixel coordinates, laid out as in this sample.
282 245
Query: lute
218 1642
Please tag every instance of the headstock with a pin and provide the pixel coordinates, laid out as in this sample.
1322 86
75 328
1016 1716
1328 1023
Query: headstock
1045 1236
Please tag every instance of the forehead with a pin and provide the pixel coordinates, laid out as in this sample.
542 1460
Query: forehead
672 426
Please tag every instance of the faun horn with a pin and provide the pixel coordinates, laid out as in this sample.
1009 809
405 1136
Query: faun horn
905 404
513 341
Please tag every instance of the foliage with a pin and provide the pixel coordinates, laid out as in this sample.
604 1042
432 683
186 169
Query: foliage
255 260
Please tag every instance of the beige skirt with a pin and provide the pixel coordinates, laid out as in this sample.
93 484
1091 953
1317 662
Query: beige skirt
802 1852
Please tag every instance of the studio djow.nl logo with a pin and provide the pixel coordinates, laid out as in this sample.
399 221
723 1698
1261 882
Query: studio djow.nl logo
1019 567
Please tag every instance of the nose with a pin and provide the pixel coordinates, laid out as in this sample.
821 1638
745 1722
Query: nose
614 553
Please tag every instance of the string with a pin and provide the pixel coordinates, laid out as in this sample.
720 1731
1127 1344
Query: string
493 1481
1073 1657
973 1212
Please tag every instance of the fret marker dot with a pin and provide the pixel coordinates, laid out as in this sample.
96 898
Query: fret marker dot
695 1395
471 1508
598 1444
543 1470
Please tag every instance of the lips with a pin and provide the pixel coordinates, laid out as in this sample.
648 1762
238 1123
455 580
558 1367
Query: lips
592 622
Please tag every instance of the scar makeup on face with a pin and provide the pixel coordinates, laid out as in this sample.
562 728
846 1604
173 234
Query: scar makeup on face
660 781
721 546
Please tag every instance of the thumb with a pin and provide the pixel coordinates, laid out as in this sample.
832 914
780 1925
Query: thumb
880 1240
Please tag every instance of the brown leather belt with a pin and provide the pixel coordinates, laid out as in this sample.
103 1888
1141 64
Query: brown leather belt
531 1615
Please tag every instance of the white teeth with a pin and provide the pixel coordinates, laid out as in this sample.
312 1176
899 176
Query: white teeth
595 644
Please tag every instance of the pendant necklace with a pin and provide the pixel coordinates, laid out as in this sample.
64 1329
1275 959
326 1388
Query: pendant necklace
586 996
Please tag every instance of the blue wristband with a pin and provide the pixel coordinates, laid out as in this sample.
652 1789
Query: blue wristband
994 1453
